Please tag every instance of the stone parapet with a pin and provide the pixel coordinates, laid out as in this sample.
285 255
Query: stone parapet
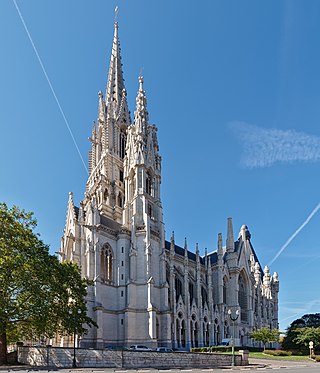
63 357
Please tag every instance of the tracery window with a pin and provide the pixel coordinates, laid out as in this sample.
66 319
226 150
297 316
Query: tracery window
105 196
122 144
178 286
243 298
149 186
225 282
204 296
191 291
150 210
106 258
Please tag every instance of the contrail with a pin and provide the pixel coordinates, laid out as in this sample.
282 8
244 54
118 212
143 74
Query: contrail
295 233
307 309
50 85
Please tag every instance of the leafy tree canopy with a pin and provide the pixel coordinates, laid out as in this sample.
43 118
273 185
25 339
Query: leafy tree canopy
306 321
39 296
306 335
265 335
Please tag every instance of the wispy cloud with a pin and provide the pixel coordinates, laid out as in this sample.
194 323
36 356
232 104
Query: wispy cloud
263 147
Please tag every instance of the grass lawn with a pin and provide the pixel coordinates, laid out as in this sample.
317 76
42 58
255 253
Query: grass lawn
261 355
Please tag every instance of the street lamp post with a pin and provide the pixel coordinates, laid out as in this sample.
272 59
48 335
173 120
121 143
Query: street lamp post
75 316
234 318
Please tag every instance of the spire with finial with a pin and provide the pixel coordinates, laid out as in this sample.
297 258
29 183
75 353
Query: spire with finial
71 207
185 248
93 151
220 249
197 254
230 237
206 257
141 117
172 245
114 97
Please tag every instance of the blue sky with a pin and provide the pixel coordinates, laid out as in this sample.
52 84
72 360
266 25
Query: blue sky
233 87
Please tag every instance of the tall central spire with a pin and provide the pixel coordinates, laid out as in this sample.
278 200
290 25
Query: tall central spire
115 83
108 140
115 97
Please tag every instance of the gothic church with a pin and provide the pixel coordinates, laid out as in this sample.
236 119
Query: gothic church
146 289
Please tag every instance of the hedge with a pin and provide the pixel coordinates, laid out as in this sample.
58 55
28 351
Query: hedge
278 352
225 349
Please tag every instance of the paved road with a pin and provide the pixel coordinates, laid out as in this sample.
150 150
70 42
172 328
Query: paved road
256 365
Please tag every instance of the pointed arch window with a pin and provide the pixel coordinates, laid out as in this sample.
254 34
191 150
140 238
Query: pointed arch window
191 291
149 184
225 282
204 296
243 298
120 201
106 265
150 210
122 144
178 287
105 196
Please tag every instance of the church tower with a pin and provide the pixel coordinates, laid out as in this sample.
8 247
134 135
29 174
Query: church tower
148 289
108 142
117 234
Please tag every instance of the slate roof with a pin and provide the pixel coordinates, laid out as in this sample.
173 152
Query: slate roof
191 256
213 257
103 220
76 210
109 223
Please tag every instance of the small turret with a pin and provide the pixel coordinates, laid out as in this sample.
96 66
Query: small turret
206 257
172 244
185 249
230 237
267 282
275 279
220 249
141 116
257 273
252 263
197 258
244 233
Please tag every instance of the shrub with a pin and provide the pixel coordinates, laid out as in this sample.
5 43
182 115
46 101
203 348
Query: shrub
278 352
226 349
200 349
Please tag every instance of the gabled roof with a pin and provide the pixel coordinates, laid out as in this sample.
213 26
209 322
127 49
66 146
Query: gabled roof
239 247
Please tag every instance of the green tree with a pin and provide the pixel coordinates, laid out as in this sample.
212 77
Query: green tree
265 335
306 321
38 294
306 335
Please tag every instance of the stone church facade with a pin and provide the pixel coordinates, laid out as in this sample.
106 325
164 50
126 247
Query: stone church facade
146 289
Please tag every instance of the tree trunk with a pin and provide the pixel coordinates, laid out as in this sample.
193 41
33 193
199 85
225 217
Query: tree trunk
3 348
